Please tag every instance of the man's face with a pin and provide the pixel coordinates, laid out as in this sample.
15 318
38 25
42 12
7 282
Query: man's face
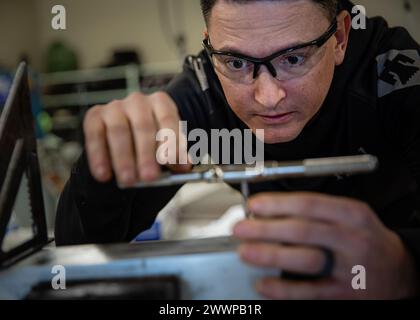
259 29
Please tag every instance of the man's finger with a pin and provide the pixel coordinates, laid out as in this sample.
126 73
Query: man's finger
275 288
120 144
291 231
337 210
96 145
144 130
167 117
296 259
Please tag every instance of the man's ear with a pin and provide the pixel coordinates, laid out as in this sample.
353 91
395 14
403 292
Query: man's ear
205 34
342 36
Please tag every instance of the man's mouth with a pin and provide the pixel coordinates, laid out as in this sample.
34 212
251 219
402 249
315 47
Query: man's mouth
276 118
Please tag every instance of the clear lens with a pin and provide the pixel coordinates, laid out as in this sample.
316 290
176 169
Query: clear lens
297 63
234 68
288 66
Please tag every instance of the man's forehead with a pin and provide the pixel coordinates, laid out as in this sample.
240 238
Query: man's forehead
262 27
246 14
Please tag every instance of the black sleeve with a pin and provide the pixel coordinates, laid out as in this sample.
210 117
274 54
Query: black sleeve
410 137
399 105
403 119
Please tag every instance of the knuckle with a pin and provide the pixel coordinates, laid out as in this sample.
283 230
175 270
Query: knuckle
113 106
136 102
163 101
94 111
93 114
114 118
167 120
111 112
115 102
159 96
135 97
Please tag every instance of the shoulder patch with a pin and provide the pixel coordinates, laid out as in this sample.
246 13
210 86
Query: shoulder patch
397 69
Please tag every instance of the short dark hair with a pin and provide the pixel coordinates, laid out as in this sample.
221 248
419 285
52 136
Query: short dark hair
329 6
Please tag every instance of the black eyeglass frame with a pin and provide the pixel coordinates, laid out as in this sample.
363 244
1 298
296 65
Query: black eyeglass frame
319 42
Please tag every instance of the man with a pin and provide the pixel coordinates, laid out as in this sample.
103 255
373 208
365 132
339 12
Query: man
348 92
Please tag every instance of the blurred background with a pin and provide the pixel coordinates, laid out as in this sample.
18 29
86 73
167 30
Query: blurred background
109 49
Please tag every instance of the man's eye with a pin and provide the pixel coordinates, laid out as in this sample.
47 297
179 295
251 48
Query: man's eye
236 64
293 60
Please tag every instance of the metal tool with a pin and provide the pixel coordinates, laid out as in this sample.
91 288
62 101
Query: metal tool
244 174
272 170
245 195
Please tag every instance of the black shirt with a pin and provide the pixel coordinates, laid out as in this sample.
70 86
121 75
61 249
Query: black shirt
373 107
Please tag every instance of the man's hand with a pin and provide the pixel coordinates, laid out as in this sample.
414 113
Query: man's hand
289 231
121 137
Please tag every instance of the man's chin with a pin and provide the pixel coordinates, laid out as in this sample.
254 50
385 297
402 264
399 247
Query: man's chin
274 134
280 136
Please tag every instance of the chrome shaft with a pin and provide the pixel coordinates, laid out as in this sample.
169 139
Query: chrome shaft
237 174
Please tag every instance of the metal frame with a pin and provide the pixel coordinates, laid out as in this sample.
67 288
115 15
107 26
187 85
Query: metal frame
19 157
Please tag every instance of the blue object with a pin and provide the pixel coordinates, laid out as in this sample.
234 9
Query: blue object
5 83
153 234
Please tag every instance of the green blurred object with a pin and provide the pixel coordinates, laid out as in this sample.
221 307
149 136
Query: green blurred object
45 122
60 57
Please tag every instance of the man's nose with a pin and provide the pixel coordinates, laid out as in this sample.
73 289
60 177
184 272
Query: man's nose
268 90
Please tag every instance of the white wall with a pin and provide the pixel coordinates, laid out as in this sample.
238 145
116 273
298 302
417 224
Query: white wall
96 27
18 32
